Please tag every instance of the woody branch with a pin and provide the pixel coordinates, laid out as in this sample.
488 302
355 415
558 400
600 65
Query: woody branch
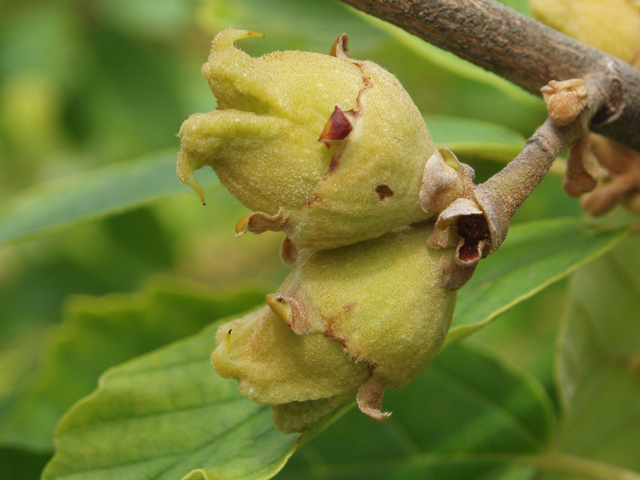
523 51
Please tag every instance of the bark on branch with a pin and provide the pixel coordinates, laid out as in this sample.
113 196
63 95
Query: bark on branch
522 51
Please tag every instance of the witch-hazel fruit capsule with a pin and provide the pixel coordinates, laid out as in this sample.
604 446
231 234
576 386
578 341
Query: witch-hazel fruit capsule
346 324
328 149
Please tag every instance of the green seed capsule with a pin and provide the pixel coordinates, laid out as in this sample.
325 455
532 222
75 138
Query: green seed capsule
327 149
350 322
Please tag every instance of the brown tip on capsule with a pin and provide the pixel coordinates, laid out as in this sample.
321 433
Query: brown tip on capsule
241 226
280 306
337 127
339 47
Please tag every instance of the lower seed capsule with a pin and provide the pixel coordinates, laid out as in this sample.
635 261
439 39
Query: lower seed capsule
347 322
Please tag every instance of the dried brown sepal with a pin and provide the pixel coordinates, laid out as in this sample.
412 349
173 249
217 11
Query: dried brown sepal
565 100
492 204
370 398
442 182
603 199
623 165
337 127
462 223
260 222
463 226
288 252
582 168
454 275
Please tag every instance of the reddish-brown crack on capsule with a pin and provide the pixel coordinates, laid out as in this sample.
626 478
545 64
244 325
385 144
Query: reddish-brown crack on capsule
346 309
335 162
474 229
329 334
384 191
312 203
337 127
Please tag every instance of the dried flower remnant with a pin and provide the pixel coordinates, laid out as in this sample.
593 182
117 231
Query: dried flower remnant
378 307
566 101
309 142
595 161
475 219
623 165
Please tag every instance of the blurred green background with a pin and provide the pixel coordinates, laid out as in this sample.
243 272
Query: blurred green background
89 83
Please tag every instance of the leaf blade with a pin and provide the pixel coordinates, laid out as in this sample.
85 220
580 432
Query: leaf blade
105 191
101 332
468 415
597 368
534 255
475 138
172 392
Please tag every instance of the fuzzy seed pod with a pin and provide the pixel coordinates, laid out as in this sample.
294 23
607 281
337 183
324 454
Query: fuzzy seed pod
346 323
327 149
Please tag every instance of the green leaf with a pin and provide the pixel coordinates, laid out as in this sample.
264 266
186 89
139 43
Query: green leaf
598 360
95 194
469 415
475 138
165 415
98 333
21 465
533 256
521 6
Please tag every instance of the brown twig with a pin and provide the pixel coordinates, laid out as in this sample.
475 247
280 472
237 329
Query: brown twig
522 51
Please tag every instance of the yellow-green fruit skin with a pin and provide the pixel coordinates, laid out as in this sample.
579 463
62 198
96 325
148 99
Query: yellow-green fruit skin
302 377
613 26
346 322
274 365
263 141
375 185
383 300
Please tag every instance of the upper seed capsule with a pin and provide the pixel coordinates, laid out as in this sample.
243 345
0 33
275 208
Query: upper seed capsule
327 149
